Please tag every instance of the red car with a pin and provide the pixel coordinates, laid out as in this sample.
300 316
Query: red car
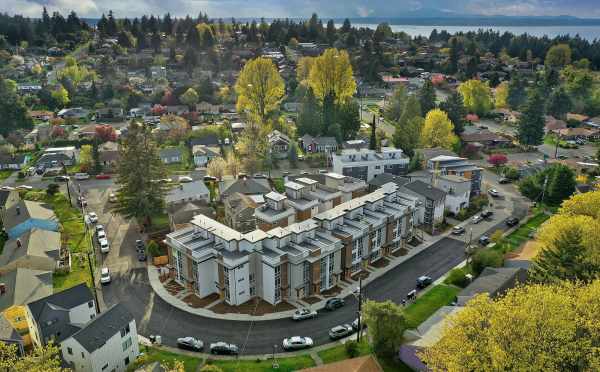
103 176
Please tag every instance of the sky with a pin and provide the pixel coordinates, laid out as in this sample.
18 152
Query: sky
303 8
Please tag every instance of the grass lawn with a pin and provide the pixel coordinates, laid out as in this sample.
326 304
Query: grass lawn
440 295
338 352
160 222
155 355
79 273
4 174
285 364
514 240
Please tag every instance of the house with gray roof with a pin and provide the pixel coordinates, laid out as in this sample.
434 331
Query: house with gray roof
383 178
203 154
188 191
494 281
431 211
181 213
244 185
8 198
26 215
54 160
55 317
108 342
171 155
319 144
21 286
36 249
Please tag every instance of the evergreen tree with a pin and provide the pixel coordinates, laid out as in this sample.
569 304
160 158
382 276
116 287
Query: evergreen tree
348 118
139 195
559 103
393 110
561 185
13 112
455 108
532 121
408 129
427 97
309 118
517 93
328 111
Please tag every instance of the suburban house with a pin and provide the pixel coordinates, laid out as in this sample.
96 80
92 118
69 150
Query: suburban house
279 144
365 164
108 342
485 139
318 144
432 199
553 125
203 154
177 110
571 134
171 155
458 192
87 131
41 115
36 249
8 198
57 316
494 281
13 161
244 185
209 140
18 287
208 108
110 113
429 153
300 260
26 215
454 165
180 214
188 191
239 211
10 336
55 160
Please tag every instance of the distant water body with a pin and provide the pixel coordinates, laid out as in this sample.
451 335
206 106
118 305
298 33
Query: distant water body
586 32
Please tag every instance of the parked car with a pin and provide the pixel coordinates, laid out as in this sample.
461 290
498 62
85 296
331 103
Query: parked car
40 170
484 240
494 193
334 303
562 157
7 188
103 176
209 178
81 201
99 228
104 246
190 343
62 178
104 275
260 175
297 343
458 230
24 187
140 246
355 324
424 281
141 256
304 314
340 331
223 348
512 221
82 176
477 218
486 213
504 180
165 180
112 197
100 234
185 179
92 217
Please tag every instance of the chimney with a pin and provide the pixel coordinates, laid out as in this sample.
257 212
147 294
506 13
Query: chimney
2 289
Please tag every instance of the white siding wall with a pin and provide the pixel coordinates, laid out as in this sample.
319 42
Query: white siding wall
207 277
239 288
76 360
268 280
82 314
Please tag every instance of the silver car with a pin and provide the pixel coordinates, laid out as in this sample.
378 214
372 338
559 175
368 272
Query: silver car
190 343
304 313
340 331
297 343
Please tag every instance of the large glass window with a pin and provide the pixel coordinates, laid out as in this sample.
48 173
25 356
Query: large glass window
330 268
277 283
226 283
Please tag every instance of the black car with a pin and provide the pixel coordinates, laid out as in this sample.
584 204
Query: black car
139 246
142 256
61 178
424 281
487 213
223 348
334 303
512 221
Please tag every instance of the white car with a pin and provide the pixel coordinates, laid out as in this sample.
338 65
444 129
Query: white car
104 275
99 228
494 193
185 179
7 188
82 176
304 314
477 219
24 187
297 342
112 198
101 234
104 246
92 217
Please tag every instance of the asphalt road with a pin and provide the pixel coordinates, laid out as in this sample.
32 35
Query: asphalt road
155 316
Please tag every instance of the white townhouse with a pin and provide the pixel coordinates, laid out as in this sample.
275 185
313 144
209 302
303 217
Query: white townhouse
366 164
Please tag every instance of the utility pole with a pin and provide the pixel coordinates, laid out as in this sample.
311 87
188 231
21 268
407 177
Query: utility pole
88 253
359 309
469 248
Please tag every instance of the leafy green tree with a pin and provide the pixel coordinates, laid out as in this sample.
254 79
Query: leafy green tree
407 135
293 154
140 195
328 112
559 103
61 96
562 184
486 258
456 110
52 189
309 117
348 118
386 323
477 96
517 92
438 130
427 97
532 121
13 112
41 359
189 98
260 89
558 56
395 105
578 81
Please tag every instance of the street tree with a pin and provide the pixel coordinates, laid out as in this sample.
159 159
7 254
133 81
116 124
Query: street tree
216 168
305 64
497 160
438 130
558 56
348 117
331 73
533 328
532 120
577 81
190 97
386 323
40 359
456 110
477 96
139 194
86 158
427 97
395 105
260 89
501 96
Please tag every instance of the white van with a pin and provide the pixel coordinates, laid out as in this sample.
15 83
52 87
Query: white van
82 176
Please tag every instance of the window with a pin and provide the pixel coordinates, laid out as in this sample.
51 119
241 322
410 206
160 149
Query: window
126 344
125 331
126 361
69 351
252 284
277 283
196 274
91 316
330 269
91 304
378 167
82 355
105 366
226 283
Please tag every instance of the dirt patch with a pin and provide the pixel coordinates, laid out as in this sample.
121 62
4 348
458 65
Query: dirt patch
331 292
414 242
527 251
311 300
400 252
382 262
252 307
196 302
363 274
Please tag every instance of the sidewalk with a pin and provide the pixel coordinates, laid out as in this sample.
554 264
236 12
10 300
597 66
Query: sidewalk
160 290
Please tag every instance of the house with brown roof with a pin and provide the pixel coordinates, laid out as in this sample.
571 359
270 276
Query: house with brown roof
579 133
485 139
553 125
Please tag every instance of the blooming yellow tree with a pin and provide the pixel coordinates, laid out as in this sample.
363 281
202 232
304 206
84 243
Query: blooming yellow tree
331 72
305 64
438 130
501 95
259 88
477 96
534 328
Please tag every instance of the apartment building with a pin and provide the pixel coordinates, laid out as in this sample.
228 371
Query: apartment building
294 261
365 164
457 166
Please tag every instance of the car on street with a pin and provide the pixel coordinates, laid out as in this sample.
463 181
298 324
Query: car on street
141 256
209 178
62 178
476 219
304 313
104 246
458 230
494 193
223 348
101 234
297 343
486 213
99 228
92 217
112 197
82 176
103 176
185 179
165 180
562 157
504 180
140 246
424 281
81 201
334 303
24 187
104 275
512 221
484 240
355 324
7 188
190 343
340 331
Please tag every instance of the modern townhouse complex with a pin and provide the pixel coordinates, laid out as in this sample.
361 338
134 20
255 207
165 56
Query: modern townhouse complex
454 165
365 164
298 260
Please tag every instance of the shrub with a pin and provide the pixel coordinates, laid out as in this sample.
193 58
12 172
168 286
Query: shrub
485 258
511 173
496 236
351 349
20 175
154 249
52 189
457 277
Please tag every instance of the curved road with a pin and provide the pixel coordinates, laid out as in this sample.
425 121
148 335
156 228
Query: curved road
155 316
